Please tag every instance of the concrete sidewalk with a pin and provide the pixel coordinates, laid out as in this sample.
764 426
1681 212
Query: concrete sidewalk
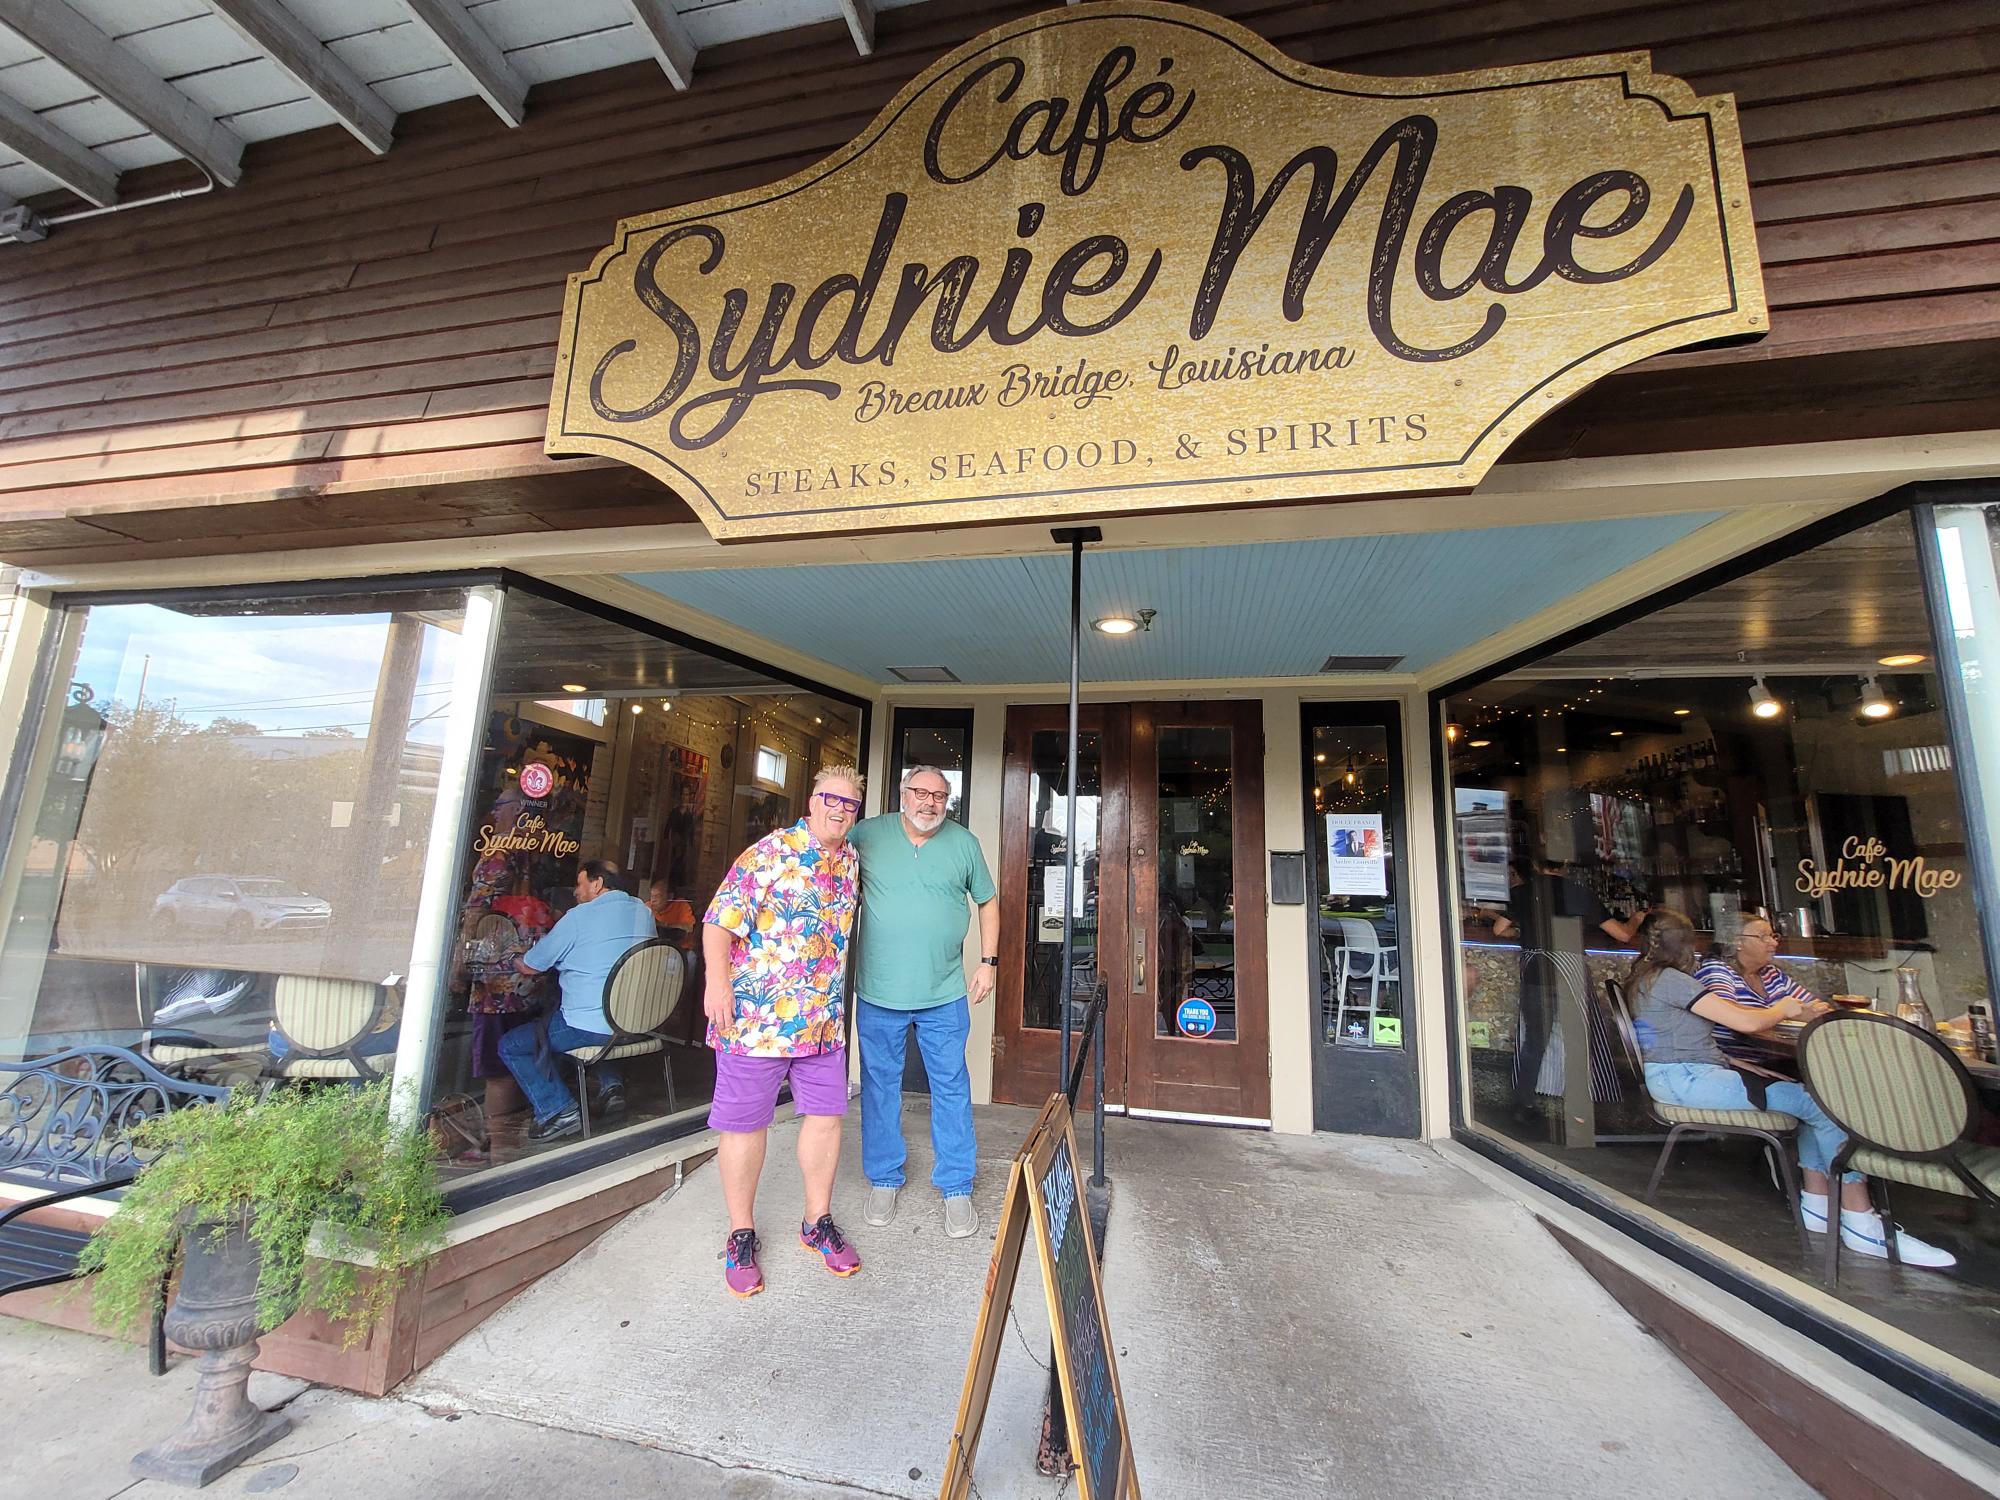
78 1407
1326 1316
1321 1317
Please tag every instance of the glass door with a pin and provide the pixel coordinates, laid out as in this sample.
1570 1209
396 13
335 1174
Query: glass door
1364 1047
1199 1033
1170 848
1035 805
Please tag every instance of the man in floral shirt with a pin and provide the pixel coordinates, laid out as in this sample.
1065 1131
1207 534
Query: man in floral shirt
774 944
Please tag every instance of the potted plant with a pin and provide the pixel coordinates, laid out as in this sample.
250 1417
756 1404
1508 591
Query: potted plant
244 1191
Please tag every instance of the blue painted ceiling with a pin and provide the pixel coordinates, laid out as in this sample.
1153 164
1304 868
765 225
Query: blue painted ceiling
1259 610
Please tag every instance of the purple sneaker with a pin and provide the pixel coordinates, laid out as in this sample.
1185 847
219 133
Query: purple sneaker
826 1240
739 1264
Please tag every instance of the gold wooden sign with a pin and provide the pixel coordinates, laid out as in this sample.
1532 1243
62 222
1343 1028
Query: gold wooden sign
1129 256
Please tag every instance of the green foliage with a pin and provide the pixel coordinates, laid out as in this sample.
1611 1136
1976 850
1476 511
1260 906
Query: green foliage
289 1163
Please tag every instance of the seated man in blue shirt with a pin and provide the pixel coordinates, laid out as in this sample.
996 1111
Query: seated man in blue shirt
605 924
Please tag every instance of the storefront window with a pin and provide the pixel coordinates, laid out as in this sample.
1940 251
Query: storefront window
228 818
1769 759
605 743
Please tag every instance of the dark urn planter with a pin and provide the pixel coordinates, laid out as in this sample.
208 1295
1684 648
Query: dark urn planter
215 1311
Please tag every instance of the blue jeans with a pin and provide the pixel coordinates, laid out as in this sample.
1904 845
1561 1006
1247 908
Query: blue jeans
941 1034
530 1055
1707 1086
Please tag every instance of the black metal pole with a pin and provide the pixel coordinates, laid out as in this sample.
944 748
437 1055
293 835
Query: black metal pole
1052 1455
1097 1178
1075 536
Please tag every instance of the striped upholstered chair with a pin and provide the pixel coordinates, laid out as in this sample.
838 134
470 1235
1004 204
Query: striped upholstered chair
323 1022
1777 1130
1907 1105
641 994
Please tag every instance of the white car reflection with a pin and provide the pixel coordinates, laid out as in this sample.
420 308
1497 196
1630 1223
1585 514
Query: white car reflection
238 906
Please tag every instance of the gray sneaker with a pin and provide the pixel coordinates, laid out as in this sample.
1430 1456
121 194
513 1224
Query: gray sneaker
881 1205
961 1219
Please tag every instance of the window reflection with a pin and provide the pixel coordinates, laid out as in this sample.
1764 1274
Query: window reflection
1048 799
1768 760
235 815
1196 871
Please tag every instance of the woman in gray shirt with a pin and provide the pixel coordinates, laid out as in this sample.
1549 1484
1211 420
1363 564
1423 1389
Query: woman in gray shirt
1673 1018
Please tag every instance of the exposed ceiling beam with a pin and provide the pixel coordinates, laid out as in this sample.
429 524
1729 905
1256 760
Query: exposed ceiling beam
59 33
475 55
63 157
672 43
273 30
860 23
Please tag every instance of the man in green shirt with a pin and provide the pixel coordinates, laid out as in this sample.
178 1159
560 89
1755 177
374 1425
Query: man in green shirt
918 867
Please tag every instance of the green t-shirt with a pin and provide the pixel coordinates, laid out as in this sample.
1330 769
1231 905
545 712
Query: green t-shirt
913 911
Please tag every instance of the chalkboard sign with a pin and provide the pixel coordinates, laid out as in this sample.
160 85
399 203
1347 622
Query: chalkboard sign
1045 1192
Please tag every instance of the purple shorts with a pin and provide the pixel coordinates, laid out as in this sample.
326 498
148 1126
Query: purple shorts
746 1088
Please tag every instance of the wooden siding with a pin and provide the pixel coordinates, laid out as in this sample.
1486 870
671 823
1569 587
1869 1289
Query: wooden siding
364 344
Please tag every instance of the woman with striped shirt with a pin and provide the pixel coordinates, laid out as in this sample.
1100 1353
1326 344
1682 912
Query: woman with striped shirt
1748 976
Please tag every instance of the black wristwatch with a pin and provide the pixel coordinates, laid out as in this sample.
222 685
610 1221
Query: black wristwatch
994 962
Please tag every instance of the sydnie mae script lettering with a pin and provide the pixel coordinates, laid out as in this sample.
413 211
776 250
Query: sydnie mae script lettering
773 341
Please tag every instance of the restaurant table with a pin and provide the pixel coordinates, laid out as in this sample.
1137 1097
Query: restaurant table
1782 1041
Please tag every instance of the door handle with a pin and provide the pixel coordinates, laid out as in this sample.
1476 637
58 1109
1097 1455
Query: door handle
1138 958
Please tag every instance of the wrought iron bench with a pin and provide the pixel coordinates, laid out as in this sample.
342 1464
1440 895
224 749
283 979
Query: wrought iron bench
66 1124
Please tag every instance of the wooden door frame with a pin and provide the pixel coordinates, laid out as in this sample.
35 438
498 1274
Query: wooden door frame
1143 1071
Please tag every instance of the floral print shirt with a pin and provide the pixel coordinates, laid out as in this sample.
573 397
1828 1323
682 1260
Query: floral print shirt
788 905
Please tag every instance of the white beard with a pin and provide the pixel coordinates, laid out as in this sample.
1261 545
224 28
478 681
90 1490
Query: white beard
927 822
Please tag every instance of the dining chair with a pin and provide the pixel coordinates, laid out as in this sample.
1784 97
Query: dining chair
1776 1130
1908 1107
1361 957
322 1023
641 994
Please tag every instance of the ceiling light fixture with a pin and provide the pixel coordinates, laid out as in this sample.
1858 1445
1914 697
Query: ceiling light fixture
1763 702
1682 713
574 687
1479 744
666 705
1875 703
638 708
1903 659
1618 734
1125 624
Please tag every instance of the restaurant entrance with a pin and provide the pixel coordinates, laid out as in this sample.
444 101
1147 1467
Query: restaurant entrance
1170 835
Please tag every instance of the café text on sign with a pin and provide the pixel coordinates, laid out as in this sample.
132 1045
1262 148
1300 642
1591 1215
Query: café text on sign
1130 256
